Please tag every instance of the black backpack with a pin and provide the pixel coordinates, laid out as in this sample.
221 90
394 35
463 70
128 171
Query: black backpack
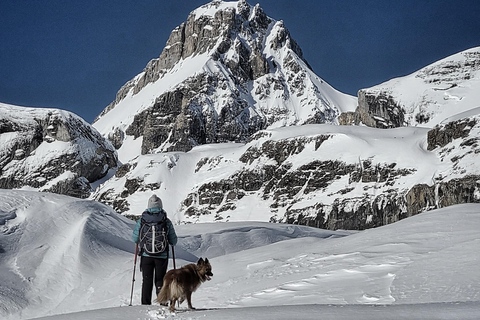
153 233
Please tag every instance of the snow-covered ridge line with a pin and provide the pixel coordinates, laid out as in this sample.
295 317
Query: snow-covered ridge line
426 97
211 8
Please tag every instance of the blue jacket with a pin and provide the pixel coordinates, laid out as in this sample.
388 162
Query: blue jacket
171 235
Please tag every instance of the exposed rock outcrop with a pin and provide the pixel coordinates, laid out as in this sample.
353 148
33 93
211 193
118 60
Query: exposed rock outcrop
442 135
51 150
379 110
330 177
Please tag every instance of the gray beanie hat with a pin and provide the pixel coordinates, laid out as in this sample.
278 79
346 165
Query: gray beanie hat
155 201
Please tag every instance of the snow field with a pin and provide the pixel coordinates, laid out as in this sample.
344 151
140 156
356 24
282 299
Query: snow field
62 255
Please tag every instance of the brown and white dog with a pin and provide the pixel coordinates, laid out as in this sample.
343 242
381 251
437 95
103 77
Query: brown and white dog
179 284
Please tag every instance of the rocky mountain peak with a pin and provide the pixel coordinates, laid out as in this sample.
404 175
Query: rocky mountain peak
212 28
226 72
230 73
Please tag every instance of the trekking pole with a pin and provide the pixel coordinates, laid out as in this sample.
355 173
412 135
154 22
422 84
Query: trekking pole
173 256
174 267
134 268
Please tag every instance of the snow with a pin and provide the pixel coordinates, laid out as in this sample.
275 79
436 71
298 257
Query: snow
439 91
133 104
65 258
350 144
211 8
134 148
467 114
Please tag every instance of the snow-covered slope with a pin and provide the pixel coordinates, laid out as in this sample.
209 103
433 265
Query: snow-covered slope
423 311
60 255
51 150
347 177
54 247
225 73
224 170
426 97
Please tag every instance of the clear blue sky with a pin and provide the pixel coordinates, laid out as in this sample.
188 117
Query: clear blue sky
75 55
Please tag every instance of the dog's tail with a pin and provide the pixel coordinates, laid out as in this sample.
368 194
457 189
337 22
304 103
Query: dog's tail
163 295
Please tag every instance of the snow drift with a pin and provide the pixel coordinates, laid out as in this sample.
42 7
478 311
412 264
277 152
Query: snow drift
62 255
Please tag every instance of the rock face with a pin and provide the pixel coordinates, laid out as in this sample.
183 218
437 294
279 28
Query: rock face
331 177
424 98
225 73
51 150
442 135
379 110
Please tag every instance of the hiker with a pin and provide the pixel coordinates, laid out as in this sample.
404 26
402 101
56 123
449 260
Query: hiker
154 259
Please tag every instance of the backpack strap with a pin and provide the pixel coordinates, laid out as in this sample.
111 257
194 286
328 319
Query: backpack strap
153 222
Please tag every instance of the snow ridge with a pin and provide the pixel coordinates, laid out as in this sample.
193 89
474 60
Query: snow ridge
428 96
61 255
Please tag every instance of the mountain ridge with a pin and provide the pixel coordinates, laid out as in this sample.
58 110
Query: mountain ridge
51 150
425 97
224 74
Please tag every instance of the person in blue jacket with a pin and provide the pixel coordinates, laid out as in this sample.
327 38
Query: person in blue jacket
153 268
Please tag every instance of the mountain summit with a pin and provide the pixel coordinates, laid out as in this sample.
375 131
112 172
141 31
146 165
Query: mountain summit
224 74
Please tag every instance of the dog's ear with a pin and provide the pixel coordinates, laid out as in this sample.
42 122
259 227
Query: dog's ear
206 260
200 261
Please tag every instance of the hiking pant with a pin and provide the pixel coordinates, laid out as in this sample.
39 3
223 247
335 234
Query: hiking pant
152 266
